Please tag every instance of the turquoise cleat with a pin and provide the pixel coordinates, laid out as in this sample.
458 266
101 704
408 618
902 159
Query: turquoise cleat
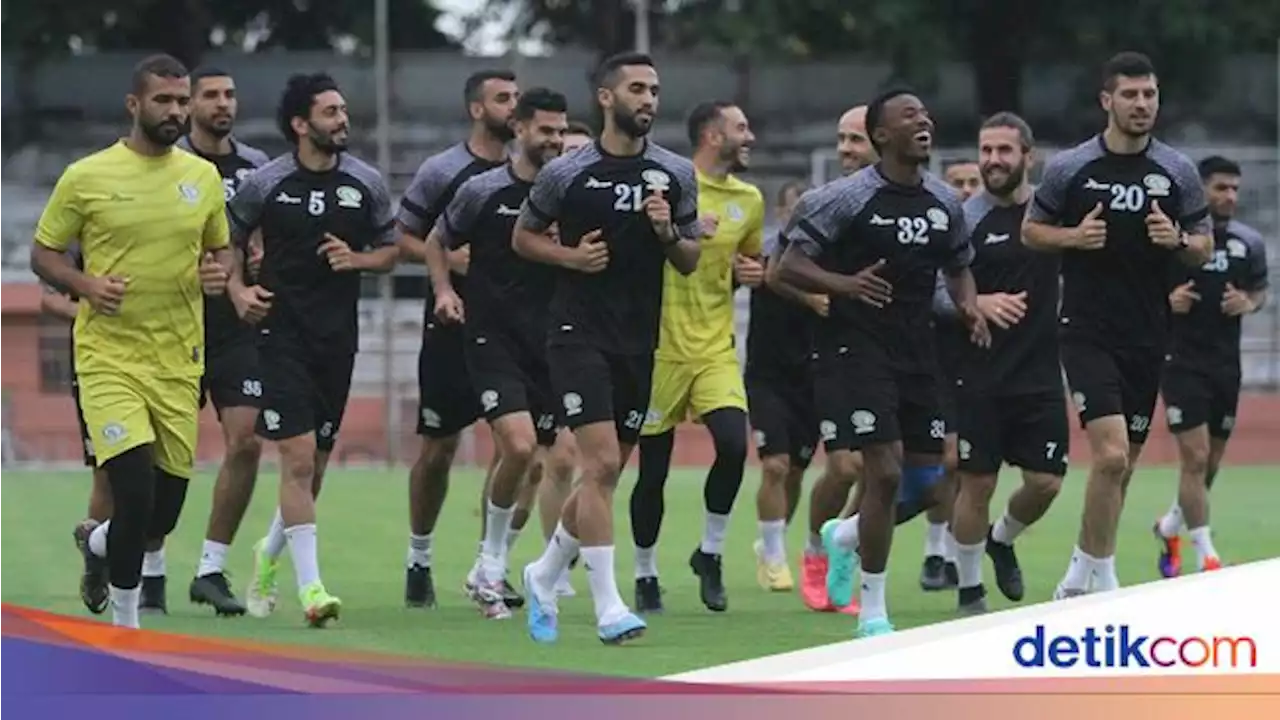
874 627
628 628
543 627
841 566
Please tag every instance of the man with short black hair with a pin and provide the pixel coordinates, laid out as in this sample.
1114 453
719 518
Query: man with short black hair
1201 382
625 206
577 135
1122 208
964 175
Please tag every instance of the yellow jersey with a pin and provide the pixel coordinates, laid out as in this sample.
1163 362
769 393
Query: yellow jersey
697 310
148 220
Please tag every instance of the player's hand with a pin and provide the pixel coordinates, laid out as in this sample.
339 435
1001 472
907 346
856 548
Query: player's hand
867 286
1184 296
979 331
1091 233
1003 309
591 254
820 304
338 252
1236 302
659 212
252 303
748 271
213 277
710 223
449 308
1161 228
106 293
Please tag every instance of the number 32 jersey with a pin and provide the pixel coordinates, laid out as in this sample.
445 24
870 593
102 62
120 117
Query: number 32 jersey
1119 293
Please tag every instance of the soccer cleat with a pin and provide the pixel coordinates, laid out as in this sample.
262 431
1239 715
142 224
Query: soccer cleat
153 598
543 627
510 596
951 572
1008 572
813 582
94 579
841 566
260 598
973 601
933 574
710 580
630 627
214 590
419 588
648 596
488 598
774 577
318 605
874 627
1066 593
1170 560
1211 564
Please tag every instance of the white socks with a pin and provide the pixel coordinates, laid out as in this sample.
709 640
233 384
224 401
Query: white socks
276 541
773 537
935 540
1090 573
419 551
969 564
555 559
1203 543
1006 529
153 564
713 532
1104 575
846 533
873 605
494 548
1171 522
302 547
604 587
124 606
647 562
213 558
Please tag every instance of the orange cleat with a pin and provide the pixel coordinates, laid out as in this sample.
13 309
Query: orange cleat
813 582
1169 561
1211 564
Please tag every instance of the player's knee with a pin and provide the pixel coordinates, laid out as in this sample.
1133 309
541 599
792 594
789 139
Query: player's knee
976 490
950 455
601 465
244 448
170 496
131 477
775 469
1045 486
298 465
437 453
519 447
1111 460
1195 458
845 467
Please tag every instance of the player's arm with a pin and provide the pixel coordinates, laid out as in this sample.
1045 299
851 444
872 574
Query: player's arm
961 287
1194 225
679 229
817 302
384 252
216 239
60 223
1042 225
244 215
419 210
749 265
1252 295
814 225
531 238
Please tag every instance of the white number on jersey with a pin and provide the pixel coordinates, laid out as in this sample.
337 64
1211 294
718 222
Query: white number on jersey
1049 449
1128 198
629 199
913 231
315 202
1218 263
229 188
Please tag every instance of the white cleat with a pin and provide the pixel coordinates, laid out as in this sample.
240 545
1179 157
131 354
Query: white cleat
260 598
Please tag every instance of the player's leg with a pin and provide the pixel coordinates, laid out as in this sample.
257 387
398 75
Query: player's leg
1186 399
769 422
557 482
100 491
93 580
718 397
939 570
235 389
667 408
979 451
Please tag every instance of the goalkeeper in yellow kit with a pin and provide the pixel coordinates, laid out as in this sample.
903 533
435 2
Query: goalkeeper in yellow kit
152 228
696 372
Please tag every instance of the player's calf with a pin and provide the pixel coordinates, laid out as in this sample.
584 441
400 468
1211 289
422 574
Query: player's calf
133 488
772 572
939 570
428 486
231 495
728 428
1094 555
298 466
517 442
971 522
647 507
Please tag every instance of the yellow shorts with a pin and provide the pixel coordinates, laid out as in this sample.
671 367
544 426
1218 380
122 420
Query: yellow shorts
684 390
123 412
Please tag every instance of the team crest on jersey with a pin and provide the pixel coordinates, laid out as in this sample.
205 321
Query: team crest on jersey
656 180
189 193
1157 184
938 218
735 212
1236 248
348 197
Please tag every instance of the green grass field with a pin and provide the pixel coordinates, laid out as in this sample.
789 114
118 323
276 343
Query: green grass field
363 536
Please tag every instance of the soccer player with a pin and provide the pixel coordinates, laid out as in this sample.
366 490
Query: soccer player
1120 207
447 402
830 495
696 372
779 382
874 241
152 229
1201 382
506 321
964 175
231 378
325 218
1010 398
625 206
578 135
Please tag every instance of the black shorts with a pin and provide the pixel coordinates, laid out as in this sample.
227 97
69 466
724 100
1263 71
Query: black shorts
949 353
303 392
1198 397
232 378
783 418
598 386
1107 381
86 441
863 400
447 401
511 380
1027 431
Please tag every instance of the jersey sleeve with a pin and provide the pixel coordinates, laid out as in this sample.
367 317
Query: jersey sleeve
459 219
381 212
1193 210
753 243
63 217
1256 273
1050 198
246 207
419 207
684 216
823 213
542 207
959 248
942 304
217 230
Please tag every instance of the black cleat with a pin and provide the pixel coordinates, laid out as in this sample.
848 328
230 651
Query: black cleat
711 580
213 590
95 577
648 596
510 597
1008 572
973 601
933 575
952 572
153 596
419 588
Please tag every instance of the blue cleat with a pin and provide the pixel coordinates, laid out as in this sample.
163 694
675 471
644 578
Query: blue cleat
873 627
618 632
840 567
543 627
